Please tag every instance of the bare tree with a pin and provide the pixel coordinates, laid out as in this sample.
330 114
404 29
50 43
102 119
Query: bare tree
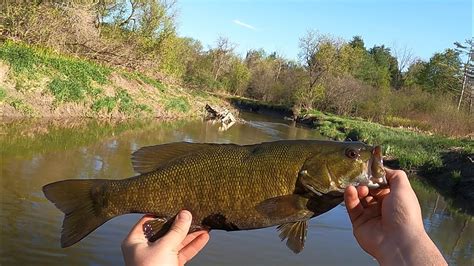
405 58
404 55
468 75
221 56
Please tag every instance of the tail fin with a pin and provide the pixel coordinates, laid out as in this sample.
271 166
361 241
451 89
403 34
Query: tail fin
81 201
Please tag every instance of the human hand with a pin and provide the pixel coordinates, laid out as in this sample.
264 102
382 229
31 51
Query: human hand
388 225
175 248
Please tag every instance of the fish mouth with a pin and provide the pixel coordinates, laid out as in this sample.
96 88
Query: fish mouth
371 179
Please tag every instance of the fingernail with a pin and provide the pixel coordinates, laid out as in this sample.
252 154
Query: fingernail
184 215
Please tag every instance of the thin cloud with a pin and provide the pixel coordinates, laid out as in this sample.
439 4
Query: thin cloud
245 25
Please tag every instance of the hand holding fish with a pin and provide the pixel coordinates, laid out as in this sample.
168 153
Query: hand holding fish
387 223
175 248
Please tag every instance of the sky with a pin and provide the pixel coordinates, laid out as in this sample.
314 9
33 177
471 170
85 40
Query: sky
423 26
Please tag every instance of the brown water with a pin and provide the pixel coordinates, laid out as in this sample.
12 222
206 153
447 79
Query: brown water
36 153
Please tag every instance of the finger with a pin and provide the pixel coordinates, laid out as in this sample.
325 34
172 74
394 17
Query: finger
363 191
397 179
193 247
379 193
367 201
352 202
178 231
370 201
190 237
137 235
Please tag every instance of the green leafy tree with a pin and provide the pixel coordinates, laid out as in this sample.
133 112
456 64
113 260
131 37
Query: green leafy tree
443 73
357 42
386 66
238 76
318 54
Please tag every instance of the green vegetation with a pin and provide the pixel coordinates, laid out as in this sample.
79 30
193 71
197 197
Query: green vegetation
142 78
122 100
106 102
179 104
17 104
344 77
22 107
411 149
381 84
3 94
71 79
89 85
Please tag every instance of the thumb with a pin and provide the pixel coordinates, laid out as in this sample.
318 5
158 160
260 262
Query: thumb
179 229
397 179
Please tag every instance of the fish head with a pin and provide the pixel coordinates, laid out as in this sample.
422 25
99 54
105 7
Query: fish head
344 164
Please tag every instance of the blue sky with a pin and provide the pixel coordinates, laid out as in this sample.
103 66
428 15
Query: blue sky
424 26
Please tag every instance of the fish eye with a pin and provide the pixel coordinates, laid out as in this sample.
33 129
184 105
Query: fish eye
351 153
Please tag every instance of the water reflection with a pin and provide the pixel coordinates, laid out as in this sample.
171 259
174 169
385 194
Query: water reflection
37 153
452 232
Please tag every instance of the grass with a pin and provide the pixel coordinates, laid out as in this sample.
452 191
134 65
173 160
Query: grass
71 79
18 104
179 104
145 79
122 100
22 107
412 149
3 94
106 102
395 121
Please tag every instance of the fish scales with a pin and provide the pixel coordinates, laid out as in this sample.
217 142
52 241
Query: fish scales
206 182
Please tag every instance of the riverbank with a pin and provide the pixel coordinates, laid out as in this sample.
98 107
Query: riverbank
37 82
445 163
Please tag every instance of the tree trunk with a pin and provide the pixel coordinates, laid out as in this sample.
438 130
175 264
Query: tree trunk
464 86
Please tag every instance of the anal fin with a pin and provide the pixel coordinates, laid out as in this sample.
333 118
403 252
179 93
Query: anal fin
156 228
295 233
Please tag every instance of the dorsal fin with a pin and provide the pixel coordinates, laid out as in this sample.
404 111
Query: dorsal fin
150 158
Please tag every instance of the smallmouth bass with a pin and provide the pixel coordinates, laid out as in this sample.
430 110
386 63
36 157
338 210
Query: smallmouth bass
225 186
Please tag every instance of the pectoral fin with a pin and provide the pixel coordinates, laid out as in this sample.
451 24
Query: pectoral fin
295 233
285 208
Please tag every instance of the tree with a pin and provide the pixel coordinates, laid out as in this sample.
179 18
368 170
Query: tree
386 66
357 42
468 73
318 54
150 18
444 72
405 58
221 56
416 74
238 76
